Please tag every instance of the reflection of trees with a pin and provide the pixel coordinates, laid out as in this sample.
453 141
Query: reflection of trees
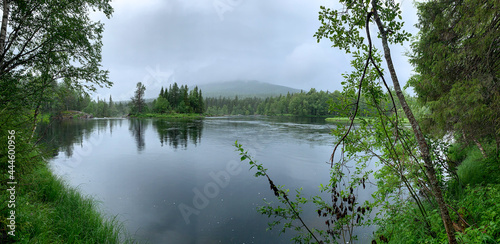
138 127
178 133
64 135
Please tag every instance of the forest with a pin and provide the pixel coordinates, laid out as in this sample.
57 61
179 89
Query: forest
438 175
66 98
175 99
311 103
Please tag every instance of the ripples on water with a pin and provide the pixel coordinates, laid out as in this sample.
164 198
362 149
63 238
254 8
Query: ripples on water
147 172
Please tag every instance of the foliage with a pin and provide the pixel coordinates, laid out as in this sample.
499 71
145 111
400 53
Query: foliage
477 219
290 213
50 52
311 103
340 217
477 170
42 42
161 105
480 209
66 98
177 99
414 169
54 39
138 103
457 57
342 28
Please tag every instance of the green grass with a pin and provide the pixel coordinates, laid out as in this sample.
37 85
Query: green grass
44 118
347 119
477 170
340 119
169 116
479 208
49 211
475 196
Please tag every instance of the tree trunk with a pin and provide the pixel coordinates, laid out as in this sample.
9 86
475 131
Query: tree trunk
424 148
33 129
3 28
478 144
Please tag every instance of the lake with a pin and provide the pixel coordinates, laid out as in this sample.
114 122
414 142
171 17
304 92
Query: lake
182 181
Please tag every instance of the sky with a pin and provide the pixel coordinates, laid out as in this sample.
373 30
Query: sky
159 42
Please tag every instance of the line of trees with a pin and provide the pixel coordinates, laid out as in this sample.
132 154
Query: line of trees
63 97
312 103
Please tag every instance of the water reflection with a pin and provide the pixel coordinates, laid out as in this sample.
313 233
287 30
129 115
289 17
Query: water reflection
137 128
64 136
146 185
178 133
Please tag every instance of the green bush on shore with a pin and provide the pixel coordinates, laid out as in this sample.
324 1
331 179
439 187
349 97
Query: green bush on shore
479 210
474 203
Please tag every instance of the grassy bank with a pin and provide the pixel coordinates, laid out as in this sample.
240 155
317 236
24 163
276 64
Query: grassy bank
474 202
49 211
479 220
169 116
356 120
342 119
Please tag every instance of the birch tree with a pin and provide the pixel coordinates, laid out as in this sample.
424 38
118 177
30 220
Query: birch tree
344 28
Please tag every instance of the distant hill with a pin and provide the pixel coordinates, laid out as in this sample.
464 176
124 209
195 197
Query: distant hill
244 89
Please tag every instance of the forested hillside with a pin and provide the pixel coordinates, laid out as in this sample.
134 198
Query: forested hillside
244 89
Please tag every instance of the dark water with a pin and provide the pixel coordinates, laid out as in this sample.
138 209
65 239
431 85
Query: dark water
182 182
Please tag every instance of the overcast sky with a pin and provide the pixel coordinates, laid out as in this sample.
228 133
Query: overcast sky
193 42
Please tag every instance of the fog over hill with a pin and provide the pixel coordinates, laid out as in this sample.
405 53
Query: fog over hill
244 88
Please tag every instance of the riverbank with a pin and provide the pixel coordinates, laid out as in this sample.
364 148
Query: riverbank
73 114
473 195
356 120
46 210
340 120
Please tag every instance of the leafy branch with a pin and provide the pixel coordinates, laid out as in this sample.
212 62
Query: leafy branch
277 190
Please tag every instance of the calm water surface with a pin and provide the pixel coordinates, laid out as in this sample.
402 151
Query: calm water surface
182 182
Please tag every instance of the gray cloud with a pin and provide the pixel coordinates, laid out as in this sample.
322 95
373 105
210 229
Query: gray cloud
201 41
